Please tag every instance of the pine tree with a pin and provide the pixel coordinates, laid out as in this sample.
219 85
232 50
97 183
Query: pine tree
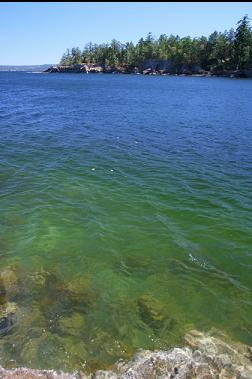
243 44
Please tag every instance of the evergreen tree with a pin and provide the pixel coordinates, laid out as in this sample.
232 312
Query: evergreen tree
129 54
220 51
66 59
76 55
243 43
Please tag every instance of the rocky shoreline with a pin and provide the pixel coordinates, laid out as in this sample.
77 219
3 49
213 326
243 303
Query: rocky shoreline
150 67
209 355
204 356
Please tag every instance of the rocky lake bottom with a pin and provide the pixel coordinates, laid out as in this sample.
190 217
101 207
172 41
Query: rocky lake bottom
53 336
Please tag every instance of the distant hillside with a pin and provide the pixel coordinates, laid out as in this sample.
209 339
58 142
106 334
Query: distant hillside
41 67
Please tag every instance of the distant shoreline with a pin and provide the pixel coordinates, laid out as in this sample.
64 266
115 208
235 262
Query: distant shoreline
149 71
156 68
24 68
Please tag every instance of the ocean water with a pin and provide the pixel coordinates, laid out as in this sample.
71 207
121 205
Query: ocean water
125 214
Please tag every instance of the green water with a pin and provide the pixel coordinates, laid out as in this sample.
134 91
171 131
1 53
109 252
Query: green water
125 217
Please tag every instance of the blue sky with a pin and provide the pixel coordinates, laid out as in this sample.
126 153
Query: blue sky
37 33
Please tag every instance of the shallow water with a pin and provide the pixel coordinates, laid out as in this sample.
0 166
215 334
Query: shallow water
125 214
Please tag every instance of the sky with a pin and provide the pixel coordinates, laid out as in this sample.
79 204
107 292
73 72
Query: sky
39 33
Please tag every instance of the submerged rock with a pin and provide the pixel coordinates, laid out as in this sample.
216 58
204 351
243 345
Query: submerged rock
7 317
9 283
8 309
2 293
154 313
51 332
103 347
72 325
43 351
81 292
206 357
9 278
75 351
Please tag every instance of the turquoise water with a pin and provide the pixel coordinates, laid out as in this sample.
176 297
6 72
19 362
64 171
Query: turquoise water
125 214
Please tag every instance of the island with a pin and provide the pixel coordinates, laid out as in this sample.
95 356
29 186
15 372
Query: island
221 54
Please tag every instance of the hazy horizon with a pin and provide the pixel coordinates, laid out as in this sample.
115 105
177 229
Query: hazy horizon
25 65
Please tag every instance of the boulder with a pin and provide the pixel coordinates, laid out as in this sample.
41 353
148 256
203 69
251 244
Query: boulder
7 317
8 278
72 324
154 313
148 71
94 68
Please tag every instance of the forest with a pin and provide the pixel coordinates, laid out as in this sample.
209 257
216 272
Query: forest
228 50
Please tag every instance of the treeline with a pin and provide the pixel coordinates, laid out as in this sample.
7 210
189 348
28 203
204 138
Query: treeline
231 50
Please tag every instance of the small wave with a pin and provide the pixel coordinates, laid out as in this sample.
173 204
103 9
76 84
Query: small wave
199 261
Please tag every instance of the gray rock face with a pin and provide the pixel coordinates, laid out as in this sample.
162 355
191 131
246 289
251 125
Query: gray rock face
206 356
77 69
164 65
